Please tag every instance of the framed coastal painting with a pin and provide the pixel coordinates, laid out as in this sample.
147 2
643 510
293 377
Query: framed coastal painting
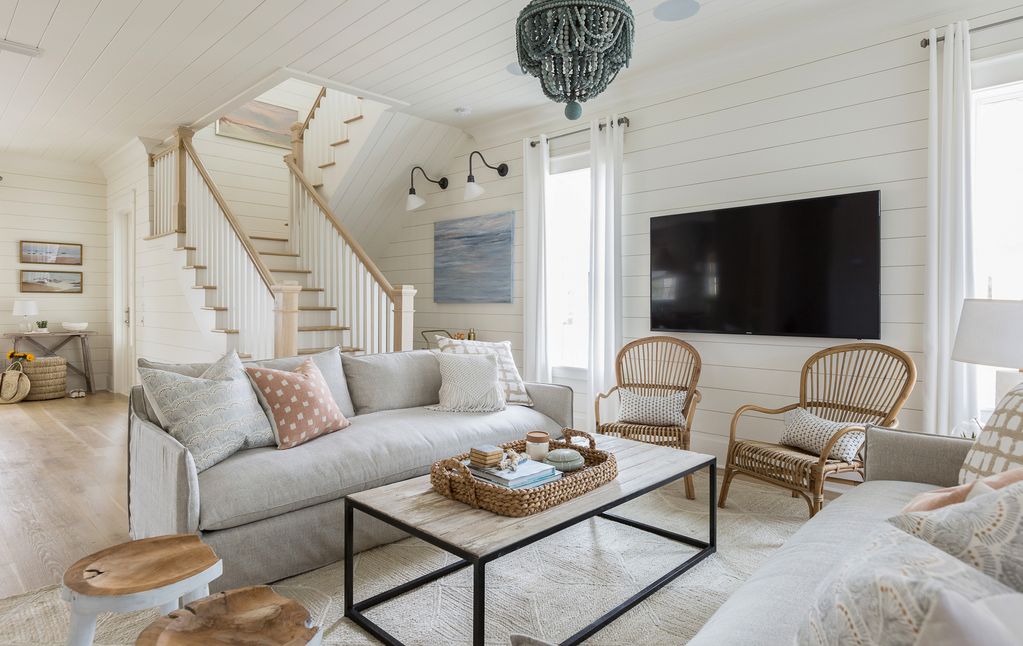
50 253
51 282
472 259
259 122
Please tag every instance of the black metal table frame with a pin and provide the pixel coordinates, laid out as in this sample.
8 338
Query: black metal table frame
354 610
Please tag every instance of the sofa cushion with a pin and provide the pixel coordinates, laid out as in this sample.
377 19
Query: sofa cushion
795 570
375 450
412 379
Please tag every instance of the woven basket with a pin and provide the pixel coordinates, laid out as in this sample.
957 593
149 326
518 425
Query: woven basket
452 479
48 376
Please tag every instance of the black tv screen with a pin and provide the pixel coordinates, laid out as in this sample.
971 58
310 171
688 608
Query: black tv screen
802 268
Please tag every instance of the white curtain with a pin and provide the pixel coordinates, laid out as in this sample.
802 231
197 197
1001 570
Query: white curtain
537 168
949 390
605 338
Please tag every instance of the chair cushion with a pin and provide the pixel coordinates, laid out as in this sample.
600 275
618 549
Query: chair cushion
806 431
412 379
377 449
651 410
1000 445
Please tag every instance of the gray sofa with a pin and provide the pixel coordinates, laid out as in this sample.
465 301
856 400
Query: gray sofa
271 514
769 608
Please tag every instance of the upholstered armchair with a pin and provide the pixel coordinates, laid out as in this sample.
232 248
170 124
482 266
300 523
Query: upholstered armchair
657 366
858 384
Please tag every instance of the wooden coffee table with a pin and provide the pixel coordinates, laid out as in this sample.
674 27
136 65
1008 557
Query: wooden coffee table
478 537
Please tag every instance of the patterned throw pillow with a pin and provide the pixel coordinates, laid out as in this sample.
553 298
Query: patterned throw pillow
806 431
214 415
301 403
469 384
651 410
1000 445
985 532
882 596
514 388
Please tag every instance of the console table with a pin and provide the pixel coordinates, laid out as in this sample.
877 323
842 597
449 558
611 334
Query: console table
33 340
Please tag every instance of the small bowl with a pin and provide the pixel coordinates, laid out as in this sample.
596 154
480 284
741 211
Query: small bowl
565 460
75 327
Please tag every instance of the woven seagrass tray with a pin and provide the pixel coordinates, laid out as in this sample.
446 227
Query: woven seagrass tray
452 479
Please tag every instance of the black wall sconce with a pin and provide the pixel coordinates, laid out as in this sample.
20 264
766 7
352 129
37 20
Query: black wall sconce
414 201
474 190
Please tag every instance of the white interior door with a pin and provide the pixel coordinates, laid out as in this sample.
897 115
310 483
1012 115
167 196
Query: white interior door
123 299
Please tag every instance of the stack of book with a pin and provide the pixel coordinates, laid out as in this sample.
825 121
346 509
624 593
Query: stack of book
486 456
529 473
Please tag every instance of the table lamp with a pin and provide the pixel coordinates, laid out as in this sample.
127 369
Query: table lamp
25 309
989 334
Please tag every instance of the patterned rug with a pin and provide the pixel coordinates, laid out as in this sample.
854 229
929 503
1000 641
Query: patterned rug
548 590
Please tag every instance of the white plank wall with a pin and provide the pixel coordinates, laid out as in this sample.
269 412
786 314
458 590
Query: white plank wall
853 121
55 201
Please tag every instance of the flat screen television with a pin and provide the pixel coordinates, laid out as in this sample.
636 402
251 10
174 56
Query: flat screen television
807 267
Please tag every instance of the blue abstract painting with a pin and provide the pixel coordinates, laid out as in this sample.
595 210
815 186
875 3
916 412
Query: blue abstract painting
472 259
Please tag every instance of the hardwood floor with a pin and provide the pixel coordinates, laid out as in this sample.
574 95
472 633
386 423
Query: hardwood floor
63 486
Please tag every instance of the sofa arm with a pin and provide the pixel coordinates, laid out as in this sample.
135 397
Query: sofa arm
553 400
914 457
163 485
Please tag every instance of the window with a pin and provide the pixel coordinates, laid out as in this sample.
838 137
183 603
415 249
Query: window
997 196
568 263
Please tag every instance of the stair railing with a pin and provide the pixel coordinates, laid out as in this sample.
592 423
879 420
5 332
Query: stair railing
379 315
167 215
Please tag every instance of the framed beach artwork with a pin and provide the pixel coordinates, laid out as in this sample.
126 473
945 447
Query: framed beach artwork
472 259
51 282
51 253
259 122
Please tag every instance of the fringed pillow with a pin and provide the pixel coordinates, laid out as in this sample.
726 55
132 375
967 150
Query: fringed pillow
469 384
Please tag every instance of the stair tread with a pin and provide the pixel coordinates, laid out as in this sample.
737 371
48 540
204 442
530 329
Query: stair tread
184 248
214 308
327 165
312 289
282 270
244 356
270 238
341 142
353 119
322 328
204 286
226 331
195 267
320 185
345 349
286 254
316 308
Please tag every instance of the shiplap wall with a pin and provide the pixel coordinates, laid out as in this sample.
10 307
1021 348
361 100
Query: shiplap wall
251 176
848 122
55 201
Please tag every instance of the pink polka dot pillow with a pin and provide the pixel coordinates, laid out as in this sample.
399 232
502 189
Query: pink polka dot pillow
303 408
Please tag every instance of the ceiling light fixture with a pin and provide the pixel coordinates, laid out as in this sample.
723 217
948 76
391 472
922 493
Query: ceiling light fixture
19 48
576 48
474 190
414 201
675 10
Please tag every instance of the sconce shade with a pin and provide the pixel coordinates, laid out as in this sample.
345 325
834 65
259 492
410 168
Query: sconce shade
988 333
473 190
25 308
413 202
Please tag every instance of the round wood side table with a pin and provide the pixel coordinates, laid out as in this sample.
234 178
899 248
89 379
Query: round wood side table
149 573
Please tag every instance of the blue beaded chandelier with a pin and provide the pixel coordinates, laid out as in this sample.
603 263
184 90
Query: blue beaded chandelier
575 47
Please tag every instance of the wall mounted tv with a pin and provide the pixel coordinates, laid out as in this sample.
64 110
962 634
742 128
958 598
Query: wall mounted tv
801 268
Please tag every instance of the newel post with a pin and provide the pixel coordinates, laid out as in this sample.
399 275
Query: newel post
286 318
297 134
180 201
404 317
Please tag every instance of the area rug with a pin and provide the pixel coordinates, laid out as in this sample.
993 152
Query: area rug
548 590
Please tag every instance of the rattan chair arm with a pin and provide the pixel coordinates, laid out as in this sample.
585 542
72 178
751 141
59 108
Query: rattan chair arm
596 405
756 409
834 440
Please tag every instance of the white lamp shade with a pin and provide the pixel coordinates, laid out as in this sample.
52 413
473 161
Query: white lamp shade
473 190
413 202
25 308
990 333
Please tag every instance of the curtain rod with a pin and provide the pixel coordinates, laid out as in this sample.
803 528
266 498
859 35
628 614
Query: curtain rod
622 121
940 39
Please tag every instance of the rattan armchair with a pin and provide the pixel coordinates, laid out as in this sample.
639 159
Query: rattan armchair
656 366
858 384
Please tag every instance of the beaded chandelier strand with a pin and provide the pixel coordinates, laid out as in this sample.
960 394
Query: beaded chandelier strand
575 47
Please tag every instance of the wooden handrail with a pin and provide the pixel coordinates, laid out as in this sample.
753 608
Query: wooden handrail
312 111
254 256
360 253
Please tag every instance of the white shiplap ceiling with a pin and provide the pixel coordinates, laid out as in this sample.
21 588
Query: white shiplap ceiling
111 70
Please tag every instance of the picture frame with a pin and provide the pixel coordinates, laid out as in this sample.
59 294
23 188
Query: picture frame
259 122
474 259
37 252
34 281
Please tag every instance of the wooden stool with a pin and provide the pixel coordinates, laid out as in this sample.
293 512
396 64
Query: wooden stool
149 573
248 616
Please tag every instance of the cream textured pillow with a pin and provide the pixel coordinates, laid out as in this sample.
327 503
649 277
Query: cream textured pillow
806 431
651 410
469 384
514 388
1000 445
986 532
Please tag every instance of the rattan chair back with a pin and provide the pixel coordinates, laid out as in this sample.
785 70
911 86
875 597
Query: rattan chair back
658 366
